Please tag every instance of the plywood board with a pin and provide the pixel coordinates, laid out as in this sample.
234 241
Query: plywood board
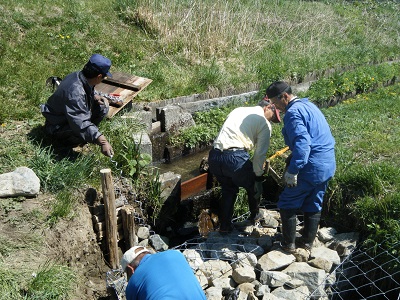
126 85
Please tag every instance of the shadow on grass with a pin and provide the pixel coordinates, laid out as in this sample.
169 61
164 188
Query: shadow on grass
41 139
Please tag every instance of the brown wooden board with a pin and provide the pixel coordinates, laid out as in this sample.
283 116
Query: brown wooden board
193 186
124 85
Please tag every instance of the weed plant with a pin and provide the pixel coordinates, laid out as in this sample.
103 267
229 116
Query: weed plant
56 175
10 285
51 282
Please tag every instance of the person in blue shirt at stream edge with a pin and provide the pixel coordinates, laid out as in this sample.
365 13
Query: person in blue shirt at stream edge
310 166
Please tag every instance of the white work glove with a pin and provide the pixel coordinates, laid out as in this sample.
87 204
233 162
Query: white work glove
290 179
106 148
258 187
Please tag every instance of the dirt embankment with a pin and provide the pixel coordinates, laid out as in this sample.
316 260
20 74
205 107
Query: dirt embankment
70 242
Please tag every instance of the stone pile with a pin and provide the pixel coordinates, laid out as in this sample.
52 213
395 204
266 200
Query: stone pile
248 263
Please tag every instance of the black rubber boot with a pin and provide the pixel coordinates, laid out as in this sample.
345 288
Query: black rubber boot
311 223
289 220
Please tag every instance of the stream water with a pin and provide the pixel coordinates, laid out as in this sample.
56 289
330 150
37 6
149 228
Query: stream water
187 166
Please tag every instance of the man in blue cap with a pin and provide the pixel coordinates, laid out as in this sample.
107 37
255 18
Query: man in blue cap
310 166
74 112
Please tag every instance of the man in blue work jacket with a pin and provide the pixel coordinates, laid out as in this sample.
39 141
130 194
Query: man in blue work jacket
311 166
74 112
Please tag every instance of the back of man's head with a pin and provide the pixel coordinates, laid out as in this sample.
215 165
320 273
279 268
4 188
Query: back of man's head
130 255
277 88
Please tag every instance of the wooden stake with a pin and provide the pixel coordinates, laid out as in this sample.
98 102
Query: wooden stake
128 224
110 216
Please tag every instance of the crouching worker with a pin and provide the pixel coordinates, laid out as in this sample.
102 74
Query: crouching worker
162 275
245 129
74 112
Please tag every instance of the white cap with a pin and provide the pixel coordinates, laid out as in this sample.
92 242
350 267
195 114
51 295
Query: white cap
130 255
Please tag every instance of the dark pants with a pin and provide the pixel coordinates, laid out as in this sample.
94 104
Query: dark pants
233 169
65 136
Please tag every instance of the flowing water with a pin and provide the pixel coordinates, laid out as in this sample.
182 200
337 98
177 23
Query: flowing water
187 166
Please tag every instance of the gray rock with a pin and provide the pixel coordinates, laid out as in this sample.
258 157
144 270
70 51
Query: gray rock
21 182
246 288
325 234
158 242
274 278
193 258
262 290
299 293
174 119
170 185
213 293
143 233
225 283
142 139
244 259
274 260
326 254
321 263
215 268
344 243
202 278
313 278
244 274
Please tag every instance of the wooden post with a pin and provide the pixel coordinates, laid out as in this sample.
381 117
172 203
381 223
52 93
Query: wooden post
128 224
110 217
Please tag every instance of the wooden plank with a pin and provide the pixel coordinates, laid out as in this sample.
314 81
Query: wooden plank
126 93
134 83
193 186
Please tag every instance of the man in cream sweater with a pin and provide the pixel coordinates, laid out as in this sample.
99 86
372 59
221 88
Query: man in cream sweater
245 129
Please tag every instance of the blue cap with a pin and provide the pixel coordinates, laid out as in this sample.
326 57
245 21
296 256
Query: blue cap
100 63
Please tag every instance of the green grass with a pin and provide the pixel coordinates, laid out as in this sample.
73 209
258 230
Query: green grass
50 282
186 47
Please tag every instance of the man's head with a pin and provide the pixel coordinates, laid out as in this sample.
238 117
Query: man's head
129 257
97 65
270 111
279 93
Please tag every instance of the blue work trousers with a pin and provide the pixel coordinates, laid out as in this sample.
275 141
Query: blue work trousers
233 169
305 196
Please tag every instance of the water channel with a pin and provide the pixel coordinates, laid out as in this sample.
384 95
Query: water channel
187 166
